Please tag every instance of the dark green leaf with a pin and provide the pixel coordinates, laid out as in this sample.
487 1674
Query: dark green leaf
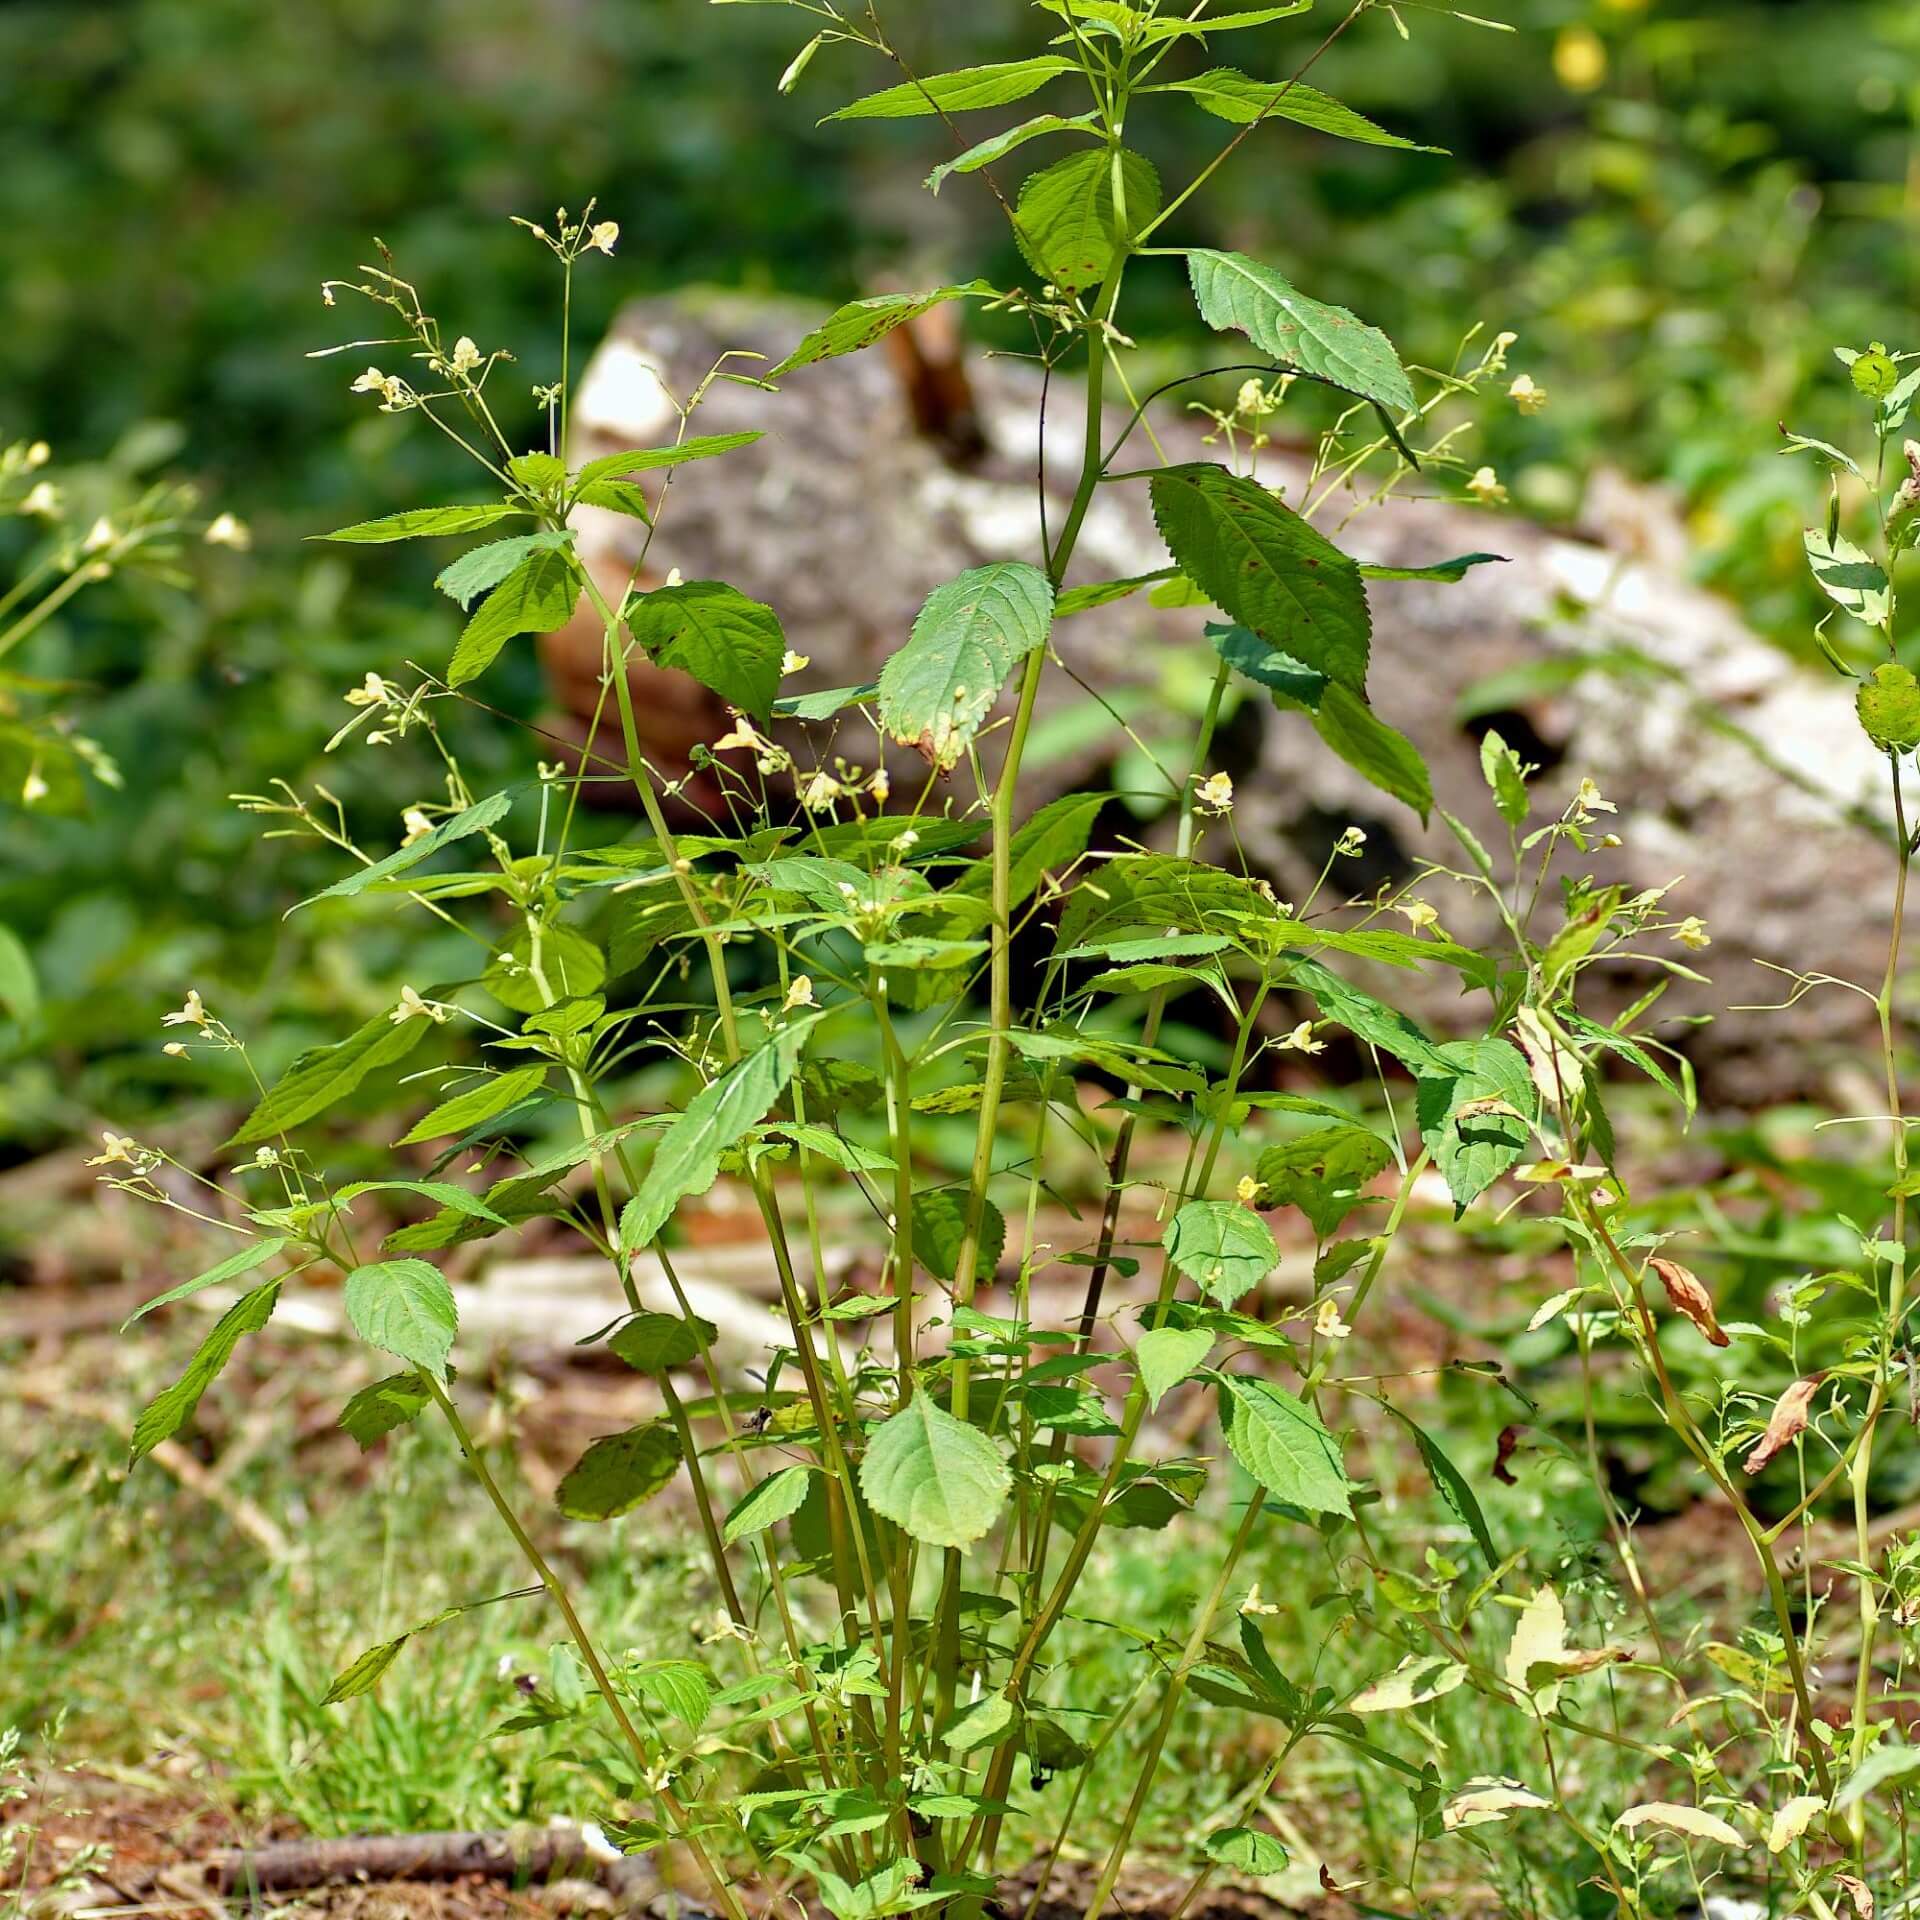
385 1407
481 568
1231 95
727 642
323 1075
1224 1249
538 596
617 1474
1067 223
171 1408
959 92
491 1098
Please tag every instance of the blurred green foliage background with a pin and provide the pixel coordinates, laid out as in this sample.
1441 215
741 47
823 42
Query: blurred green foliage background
1679 205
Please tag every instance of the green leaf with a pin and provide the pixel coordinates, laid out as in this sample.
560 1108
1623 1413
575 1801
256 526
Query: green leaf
1893 1761
1223 1248
384 1407
937 689
937 1478
1452 1485
1245 652
1384 755
617 496
727 642
475 819
940 1225
1103 593
659 1342
404 1307
421 523
478 569
860 323
19 990
1054 836
538 596
570 963
776 1498
978 1724
702 446
1235 292
1371 1020
681 1687
1245 1850
323 1075
1472 1148
618 1473
687 1160
1849 577
1002 144
1231 95
959 92
1506 779
465 1111
1167 1355
364 1673
172 1407
255 1254
540 473
1889 709
1281 1443
1266 568
1067 223
1325 1173
1455 569
443 1193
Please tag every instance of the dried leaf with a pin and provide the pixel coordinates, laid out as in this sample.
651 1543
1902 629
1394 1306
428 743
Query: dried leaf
1690 1298
1792 1820
1786 1423
1481 1802
1678 1819
1540 1638
1858 1892
1504 1451
1411 1684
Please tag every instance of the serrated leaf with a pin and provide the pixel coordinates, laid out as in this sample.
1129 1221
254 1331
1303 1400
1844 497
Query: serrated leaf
1281 1442
1166 1356
940 1480
474 819
384 1407
1002 144
681 1687
404 1307
700 446
660 1342
256 1254
860 323
1482 1803
617 1473
1474 1142
687 1160
1266 568
172 1407
1412 1683
962 91
422 523
1231 95
1455 569
1452 1485
940 1226
978 1724
492 1097
480 568
538 596
1382 754
1236 292
728 643
1674 1818
1223 1248
937 689
362 1675
571 964
1888 704
1066 220
776 1498
324 1075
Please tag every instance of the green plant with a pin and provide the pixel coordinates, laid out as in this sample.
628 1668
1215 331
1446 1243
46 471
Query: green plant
902 1514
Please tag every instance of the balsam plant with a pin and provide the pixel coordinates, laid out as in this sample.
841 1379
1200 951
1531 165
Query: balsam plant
901 1512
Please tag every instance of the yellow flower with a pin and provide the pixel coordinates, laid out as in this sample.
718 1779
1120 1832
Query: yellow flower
412 1007
605 233
42 500
1692 932
1327 1322
1215 793
821 792
800 993
466 356
228 530
880 786
742 734
1301 1040
1528 396
1486 488
193 1014
100 535
417 824
1579 59
1348 846
175 1049
1420 915
1248 1191
792 662
118 1150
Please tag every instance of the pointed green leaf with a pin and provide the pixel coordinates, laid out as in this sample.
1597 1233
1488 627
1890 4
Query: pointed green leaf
1168 1355
1002 144
776 1498
421 523
937 1478
465 1111
1280 1441
1223 1248
404 1307
1465 1092
862 322
255 1254
171 1408
660 1342
1231 95
959 92
384 1407
727 642
538 596
617 1474
323 1075
701 446
1067 223
1852 579
475 819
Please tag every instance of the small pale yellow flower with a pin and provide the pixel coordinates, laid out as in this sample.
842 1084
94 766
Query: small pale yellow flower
1587 801
1254 1604
1692 932
1420 915
742 734
412 1007
800 993
904 843
175 1049
792 662
372 381
466 355
34 788
38 455
417 824
99 536
1485 487
192 1014
228 530
880 786
1248 1191
821 792
117 1150
1215 793
1527 394
1349 844
1327 1322
1301 1040
41 500
604 235
266 1156
371 692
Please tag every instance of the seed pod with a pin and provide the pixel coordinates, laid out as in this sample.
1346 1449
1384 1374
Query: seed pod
1690 1298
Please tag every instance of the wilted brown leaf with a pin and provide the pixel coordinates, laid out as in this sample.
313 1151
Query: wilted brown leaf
1786 1423
1858 1892
1690 1297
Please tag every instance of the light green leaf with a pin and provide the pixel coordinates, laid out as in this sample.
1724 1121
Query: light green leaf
1236 292
1474 1097
1231 95
1280 1441
1223 1248
384 1407
443 1193
255 1254
364 1673
727 642
860 323
701 446
1894 1760
570 963
687 1160
959 92
618 1473
937 689
978 1724
1415 1681
1266 568
1002 144
539 473
421 523
1245 1850
1103 593
538 596
465 1111
1506 779
19 990
1852 579
1889 709
940 1225
776 1498
1066 220
323 1075
480 568
404 1307
475 819
659 1342
172 1407
1347 724
939 1479
1168 1355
